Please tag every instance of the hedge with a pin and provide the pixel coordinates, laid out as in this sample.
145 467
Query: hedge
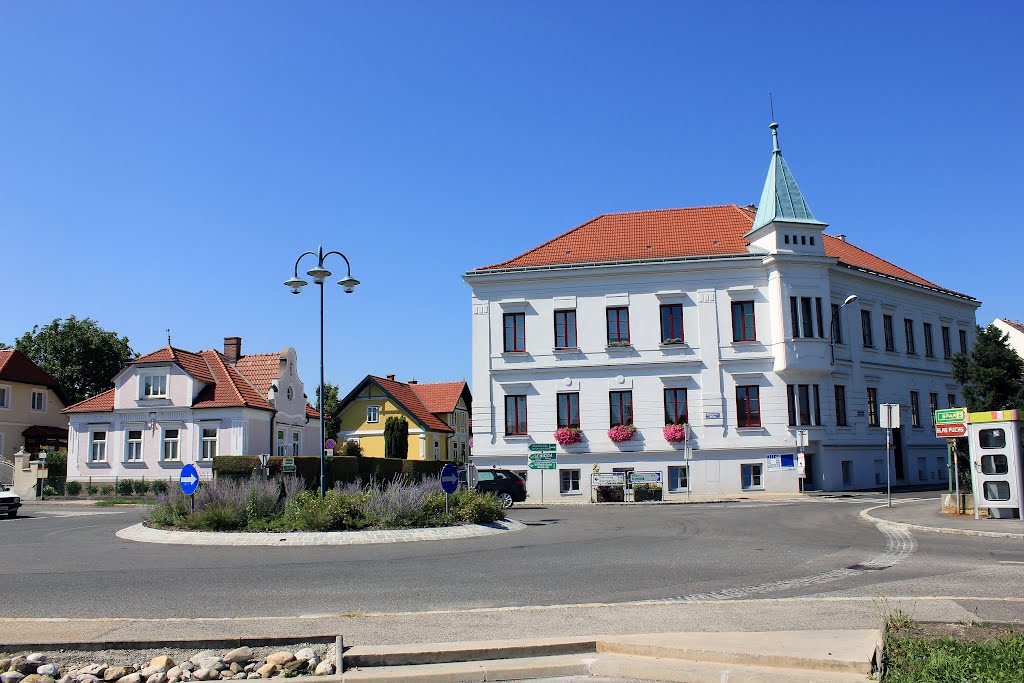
338 468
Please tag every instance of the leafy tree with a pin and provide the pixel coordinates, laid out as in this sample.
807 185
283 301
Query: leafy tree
396 437
991 374
333 424
79 354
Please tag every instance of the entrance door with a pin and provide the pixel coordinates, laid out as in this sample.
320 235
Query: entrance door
810 483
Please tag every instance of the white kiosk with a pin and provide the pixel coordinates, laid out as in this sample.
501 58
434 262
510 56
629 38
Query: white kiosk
997 457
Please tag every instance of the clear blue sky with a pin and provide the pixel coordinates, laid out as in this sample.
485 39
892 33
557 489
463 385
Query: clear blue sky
162 164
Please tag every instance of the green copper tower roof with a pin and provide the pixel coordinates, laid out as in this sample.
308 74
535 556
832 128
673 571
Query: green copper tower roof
781 199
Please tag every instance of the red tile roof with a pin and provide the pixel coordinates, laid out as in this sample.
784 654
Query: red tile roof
311 412
1014 324
229 388
225 386
439 397
190 362
677 233
404 394
17 367
100 403
261 369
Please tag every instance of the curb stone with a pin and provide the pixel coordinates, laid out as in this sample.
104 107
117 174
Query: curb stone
143 534
905 526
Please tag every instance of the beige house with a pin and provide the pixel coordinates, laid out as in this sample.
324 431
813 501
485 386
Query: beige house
31 402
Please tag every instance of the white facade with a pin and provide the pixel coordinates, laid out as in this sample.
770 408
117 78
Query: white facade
841 453
161 417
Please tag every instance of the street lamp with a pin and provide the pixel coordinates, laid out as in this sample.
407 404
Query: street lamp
348 283
832 326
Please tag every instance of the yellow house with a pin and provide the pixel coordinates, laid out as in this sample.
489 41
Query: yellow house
438 415
31 402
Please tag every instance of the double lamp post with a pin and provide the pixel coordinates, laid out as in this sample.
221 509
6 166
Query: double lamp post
348 283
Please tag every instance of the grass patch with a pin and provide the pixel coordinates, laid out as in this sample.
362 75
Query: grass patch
124 501
954 653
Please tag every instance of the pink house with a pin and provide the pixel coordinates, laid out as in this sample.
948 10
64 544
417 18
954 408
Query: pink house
172 407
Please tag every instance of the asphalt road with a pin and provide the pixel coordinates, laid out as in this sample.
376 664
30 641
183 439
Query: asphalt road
66 562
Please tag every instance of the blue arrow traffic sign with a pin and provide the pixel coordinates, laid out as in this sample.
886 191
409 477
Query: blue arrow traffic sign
189 479
449 478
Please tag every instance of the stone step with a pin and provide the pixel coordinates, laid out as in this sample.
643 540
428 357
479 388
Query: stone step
471 651
467 672
683 671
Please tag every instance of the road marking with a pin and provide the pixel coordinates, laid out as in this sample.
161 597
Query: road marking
1010 562
900 546
55 514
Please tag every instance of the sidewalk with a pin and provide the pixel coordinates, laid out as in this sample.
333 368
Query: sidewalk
927 515
670 499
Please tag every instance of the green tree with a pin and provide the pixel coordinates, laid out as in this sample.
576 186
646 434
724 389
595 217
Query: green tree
991 374
396 437
79 354
333 424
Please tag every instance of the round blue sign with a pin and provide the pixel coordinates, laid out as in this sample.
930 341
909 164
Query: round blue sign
189 479
449 478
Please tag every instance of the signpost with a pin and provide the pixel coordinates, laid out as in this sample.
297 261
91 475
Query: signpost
645 477
289 466
890 420
951 416
189 481
950 424
543 457
449 482
950 431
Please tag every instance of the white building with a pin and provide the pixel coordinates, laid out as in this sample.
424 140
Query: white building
173 407
1014 332
718 317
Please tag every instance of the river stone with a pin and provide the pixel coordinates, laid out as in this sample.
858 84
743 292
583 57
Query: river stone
280 658
150 671
67 678
37 657
23 666
93 670
252 674
158 677
86 678
239 655
268 670
37 678
5 664
11 677
204 674
324 668
115 673
212 663
295 666
48 670
307 654
163 661
201 655
130 678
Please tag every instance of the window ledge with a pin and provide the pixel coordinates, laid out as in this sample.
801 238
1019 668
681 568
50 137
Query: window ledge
513 353
674 345
570 493
565 349
517 437
619 347
750 430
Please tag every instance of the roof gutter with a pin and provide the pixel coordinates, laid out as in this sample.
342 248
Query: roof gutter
610 264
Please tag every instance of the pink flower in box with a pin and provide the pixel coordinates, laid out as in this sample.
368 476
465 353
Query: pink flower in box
567 435
621 433
674 433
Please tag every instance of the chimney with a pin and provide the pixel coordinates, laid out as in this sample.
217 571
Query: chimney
841 238
232 348
412 381
390 377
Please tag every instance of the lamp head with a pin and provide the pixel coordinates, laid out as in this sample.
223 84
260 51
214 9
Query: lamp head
850 299
319 274
349 283
296 284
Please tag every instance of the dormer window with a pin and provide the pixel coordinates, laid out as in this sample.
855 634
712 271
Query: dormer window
154 386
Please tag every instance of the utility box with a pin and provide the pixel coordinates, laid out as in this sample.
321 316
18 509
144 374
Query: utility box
996 456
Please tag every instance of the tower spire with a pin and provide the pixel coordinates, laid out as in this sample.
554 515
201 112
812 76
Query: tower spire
781 199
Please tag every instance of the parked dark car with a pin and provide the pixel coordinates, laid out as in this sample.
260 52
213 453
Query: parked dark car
508 486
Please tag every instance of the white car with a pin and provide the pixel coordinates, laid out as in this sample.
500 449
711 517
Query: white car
9 503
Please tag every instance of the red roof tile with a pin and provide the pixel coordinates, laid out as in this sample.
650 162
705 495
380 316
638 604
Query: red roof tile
229 389
439 397
102 402
1019 326
17 367
678 233
404 394
190 362
311 412
261 369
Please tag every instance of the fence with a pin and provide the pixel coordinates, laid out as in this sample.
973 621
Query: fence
6 473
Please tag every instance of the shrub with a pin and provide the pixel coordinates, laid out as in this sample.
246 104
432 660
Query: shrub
57 463
139 487
352 449
73 488
50 491
90 490
106 490
124 487
159 486
171 510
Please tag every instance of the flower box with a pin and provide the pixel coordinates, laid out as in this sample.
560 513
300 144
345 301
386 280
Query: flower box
611 494
618 344
621 433
672 341
566 436
674 433
642 492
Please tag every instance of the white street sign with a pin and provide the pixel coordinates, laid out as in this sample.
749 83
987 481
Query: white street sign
889 417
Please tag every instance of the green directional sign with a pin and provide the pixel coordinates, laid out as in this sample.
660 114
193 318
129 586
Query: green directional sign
288 466
542 447
543 457
543 465
948 416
